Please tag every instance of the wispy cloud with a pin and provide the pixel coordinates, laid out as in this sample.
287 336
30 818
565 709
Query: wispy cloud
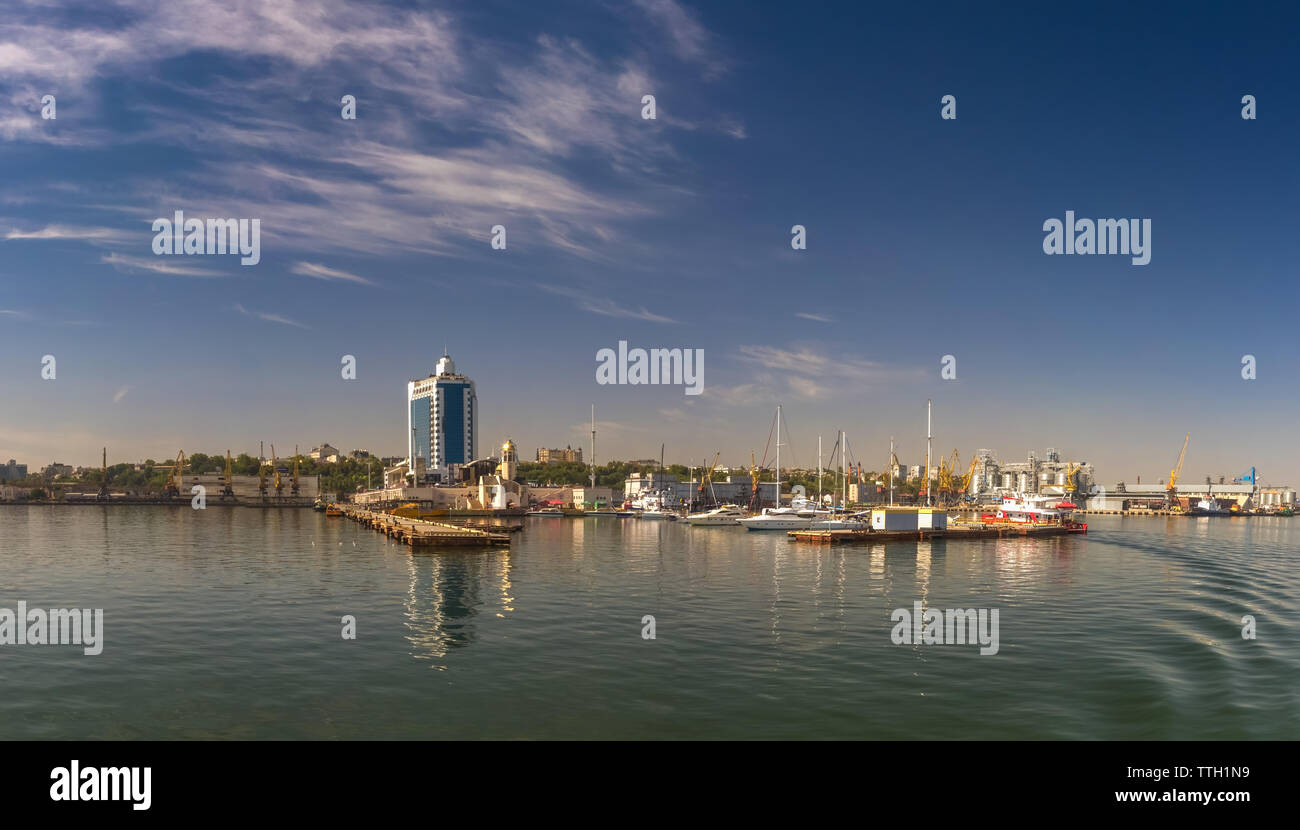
321 272
819 318
689 39
120 393
99 235
270 317
605 306
809 373
159 265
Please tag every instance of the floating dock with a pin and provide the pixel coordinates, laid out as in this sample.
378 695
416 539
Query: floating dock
976 531
425 533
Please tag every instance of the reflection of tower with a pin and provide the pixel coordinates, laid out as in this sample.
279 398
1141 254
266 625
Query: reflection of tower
509 466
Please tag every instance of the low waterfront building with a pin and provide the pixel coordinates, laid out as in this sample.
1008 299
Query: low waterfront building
591 497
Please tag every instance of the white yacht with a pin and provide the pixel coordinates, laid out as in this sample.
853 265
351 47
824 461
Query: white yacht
727 514
843 521
777 518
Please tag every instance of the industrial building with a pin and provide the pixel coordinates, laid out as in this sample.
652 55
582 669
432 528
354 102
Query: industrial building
1155 497
442 423
990 478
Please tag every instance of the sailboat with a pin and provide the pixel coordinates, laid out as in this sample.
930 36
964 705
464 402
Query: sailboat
777 518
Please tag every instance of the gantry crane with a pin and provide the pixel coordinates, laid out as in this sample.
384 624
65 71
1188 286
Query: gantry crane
1171 491
293 488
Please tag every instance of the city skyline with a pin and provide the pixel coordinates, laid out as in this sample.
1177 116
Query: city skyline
925 237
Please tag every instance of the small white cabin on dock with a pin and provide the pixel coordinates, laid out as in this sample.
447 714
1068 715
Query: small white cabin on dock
909 518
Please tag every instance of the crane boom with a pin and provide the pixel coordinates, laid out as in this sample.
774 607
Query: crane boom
1178 468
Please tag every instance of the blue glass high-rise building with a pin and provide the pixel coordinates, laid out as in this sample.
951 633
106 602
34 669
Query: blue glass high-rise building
442 427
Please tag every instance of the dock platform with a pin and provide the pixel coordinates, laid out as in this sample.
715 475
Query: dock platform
425 533
983 531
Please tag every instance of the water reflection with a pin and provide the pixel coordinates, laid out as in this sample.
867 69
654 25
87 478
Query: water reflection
445 594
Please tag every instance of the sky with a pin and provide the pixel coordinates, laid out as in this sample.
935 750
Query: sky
924 235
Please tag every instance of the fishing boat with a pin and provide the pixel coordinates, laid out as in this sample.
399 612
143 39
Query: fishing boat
1208 507
333 510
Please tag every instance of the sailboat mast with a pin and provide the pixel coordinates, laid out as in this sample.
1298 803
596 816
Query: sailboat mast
819 470
928 437
891 470
778 455
593 450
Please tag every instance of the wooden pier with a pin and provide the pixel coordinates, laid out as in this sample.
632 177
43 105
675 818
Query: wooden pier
974 531
425 533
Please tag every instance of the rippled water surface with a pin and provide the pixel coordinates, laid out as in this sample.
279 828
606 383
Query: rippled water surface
225 623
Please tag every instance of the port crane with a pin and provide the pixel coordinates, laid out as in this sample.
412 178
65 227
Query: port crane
293 488
279 485
172 488
966 479
755 500
1171 491
228 490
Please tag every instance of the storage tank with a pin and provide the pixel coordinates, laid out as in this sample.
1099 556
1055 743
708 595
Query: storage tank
1023 482
1288 497
1060 479
1006 481
976 482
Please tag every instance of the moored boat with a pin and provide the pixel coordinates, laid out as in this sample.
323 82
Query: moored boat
725 515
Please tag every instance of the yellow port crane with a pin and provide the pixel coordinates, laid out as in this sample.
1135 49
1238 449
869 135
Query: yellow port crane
293 488
1171 490
228 490
966 479
279 485
755 501
172 488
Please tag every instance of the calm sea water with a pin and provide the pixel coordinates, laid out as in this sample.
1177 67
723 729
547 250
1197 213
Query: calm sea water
225 623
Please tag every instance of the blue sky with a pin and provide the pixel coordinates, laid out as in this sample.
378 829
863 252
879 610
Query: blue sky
924 235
